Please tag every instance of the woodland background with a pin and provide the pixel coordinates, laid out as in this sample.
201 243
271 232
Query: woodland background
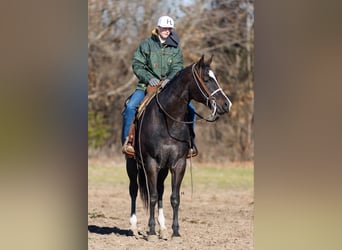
223 29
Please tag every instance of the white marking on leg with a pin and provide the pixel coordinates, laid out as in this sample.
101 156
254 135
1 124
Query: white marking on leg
161 219
133 221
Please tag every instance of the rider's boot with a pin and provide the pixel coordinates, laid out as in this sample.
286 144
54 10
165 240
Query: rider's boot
193 149
128 146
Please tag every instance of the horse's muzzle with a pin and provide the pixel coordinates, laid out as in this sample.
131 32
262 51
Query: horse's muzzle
224 108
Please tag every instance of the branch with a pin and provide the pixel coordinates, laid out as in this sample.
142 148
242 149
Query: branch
116 91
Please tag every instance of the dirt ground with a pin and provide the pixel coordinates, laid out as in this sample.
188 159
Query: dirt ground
212 217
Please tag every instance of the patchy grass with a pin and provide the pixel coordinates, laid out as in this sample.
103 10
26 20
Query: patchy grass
104 175
233 177
217 213
222 178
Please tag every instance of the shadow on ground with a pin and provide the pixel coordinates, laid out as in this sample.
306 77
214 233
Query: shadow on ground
109 230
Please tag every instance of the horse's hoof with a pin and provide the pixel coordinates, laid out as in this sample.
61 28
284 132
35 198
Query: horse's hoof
176 238
176 234
152 238
135 232
163 234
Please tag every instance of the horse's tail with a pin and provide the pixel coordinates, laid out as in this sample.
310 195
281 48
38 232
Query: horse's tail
143 188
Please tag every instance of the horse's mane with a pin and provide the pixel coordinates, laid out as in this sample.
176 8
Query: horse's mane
177 76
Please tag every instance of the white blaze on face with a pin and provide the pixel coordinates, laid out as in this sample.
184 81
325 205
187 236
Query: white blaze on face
211 74
161 219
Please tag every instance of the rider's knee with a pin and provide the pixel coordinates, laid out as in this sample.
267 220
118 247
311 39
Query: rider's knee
130 107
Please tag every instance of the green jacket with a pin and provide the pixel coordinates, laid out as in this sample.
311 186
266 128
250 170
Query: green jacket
155 60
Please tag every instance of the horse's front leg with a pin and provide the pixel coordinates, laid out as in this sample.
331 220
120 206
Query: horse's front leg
177 173
160 188
132 172
152 173
151 222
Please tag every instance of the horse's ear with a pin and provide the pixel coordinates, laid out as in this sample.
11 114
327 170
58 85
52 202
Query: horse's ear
201 61
208 62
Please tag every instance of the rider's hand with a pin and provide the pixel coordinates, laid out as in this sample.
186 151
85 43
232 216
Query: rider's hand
153 82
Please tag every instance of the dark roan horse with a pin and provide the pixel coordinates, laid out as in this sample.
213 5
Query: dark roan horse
162 141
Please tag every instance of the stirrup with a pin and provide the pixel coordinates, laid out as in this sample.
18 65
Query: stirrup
128 150
192 152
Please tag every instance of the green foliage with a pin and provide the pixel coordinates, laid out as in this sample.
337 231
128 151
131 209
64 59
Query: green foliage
98 129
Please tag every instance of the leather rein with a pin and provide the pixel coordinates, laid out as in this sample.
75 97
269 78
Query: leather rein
205 92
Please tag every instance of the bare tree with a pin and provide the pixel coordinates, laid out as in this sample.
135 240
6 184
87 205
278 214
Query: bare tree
219 28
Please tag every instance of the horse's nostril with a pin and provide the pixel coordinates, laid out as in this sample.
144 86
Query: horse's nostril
226 106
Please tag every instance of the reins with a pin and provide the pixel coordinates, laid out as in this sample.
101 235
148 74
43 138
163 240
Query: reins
207 95
142 160
197 78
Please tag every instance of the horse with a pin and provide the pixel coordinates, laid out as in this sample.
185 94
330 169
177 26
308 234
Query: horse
163 140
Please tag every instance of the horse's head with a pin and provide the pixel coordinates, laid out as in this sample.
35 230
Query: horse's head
210 93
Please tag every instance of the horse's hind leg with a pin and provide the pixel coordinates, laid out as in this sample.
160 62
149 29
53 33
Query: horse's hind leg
177 173
132 172
160 188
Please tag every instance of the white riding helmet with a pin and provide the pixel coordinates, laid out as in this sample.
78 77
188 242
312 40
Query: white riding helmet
166 22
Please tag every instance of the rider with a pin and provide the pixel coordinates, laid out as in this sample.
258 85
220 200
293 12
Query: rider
156 60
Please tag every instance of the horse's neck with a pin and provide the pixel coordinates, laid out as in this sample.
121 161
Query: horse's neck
175 97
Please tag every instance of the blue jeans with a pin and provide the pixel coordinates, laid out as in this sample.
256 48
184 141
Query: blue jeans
131 108
192 116
129 112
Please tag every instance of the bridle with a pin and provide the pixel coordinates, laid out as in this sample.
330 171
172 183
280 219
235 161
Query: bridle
207 95
205 92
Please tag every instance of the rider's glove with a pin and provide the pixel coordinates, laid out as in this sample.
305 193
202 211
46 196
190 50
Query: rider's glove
153 82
